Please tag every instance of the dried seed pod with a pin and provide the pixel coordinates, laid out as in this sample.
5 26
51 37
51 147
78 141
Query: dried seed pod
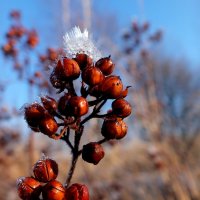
83 60
121 108
49 104
53 190
114 128
77 106
56 81
92 75
33 114
62 104
28 188
58 70
112 87
92 152
105 65
95 91
48 125
71 69
45 170
77 192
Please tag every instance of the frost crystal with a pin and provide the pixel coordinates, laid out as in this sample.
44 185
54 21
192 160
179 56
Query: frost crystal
76 41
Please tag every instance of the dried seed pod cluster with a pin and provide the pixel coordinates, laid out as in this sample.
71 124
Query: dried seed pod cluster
74 107
44 184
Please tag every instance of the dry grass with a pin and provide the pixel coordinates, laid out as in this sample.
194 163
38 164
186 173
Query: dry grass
130 170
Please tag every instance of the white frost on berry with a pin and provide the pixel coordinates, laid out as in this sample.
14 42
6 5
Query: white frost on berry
20 180
76 41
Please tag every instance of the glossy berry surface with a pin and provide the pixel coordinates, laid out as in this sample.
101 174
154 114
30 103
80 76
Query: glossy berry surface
78 106
121 108
112 87
114 128
92 75
105 65
92 153
77 192
33 114
83 60
62 104
53 190
48 126
45 170
71 69
49 104
28 188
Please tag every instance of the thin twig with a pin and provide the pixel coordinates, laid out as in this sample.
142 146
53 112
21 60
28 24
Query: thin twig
75 154
95 111
57 137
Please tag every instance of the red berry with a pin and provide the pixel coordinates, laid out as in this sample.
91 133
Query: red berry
77 192
45 170
92 75
83 60
105 65
62 103
71 69
121 108
77 106
53 190
95 91
48 125
28 188
112 87
114 128
49 104
33 114
92 153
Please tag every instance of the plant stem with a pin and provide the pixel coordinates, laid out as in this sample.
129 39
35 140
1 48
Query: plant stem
95 111
75 154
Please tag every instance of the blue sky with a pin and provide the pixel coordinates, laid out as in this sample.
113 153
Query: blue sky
177 18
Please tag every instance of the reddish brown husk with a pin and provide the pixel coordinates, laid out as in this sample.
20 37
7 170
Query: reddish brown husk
28 188
77 192
62 104
121 108
45 170
92 153
105 65
114 128
33 114
49 103
83 60
112 87
92 75
53 190
71 69
48 125
77 106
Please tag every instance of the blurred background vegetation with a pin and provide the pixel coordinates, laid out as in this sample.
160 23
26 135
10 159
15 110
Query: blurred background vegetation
159 159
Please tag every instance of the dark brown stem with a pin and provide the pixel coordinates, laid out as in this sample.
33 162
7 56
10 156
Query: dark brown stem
71 88
75 154
68 141
96 101
58 115
94 113
103 115
57 137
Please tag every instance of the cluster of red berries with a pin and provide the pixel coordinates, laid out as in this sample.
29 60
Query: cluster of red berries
67 112
44 182
15 33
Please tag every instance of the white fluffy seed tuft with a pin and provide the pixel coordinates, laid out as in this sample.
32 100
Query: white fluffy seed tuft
76 41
